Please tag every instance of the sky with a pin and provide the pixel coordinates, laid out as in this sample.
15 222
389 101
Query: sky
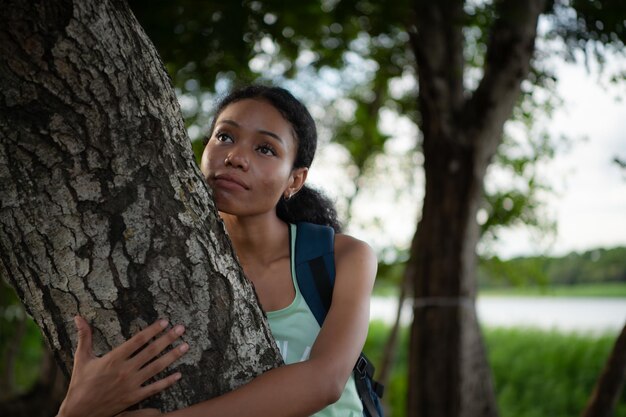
589 199
589 203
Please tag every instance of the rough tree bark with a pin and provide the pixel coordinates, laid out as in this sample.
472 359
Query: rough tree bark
103 211
448 371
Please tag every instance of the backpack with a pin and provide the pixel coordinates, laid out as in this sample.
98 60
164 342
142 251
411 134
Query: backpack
315 271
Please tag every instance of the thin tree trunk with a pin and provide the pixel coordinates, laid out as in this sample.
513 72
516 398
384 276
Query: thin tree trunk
610 383
448 371
391 345
103 211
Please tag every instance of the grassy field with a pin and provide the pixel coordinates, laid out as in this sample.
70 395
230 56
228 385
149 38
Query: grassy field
536 373
546 373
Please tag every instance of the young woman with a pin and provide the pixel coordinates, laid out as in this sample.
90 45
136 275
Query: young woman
256 161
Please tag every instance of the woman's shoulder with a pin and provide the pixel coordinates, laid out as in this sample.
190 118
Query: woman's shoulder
356 265
348 247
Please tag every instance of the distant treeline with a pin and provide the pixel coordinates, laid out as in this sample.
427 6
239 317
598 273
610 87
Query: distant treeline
594 266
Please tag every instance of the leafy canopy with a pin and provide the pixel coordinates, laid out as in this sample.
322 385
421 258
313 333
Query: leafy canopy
353 60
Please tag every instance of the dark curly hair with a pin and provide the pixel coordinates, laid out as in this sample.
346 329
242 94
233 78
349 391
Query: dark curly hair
308 204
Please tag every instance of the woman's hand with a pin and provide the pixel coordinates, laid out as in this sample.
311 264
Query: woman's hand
106 386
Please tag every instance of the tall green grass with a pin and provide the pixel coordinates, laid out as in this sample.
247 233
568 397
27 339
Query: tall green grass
536 373
540 373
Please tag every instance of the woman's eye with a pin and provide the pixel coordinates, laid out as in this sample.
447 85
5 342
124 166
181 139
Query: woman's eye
223 137
266 150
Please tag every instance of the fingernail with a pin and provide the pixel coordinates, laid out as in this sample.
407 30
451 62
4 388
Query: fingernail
163 323
76 321
179 330
177 376
184 347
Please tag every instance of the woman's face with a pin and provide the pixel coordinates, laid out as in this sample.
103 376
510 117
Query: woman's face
248 161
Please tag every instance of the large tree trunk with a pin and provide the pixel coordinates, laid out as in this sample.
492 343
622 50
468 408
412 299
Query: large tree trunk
103 210
448 370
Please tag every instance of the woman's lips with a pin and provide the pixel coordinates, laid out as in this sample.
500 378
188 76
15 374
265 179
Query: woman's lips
230 182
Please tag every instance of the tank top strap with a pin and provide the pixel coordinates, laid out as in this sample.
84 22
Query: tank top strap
293 230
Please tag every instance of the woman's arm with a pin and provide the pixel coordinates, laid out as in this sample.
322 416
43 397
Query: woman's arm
303 388
106 386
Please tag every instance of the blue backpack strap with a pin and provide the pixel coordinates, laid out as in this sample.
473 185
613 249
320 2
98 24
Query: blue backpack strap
315 266
315 274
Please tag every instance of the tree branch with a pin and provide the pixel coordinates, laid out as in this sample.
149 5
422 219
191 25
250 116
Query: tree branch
507 63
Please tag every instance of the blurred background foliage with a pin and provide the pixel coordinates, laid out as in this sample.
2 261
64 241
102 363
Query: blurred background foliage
21 346
351 62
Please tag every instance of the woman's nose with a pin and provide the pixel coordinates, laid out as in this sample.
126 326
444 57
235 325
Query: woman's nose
237 158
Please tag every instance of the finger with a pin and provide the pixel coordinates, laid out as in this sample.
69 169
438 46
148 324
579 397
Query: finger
158 386
134 343
84 349
163 362
156 347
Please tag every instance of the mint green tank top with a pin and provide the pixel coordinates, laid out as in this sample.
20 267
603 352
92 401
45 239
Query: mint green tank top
295 330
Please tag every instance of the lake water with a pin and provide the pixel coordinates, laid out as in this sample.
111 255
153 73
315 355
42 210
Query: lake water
579 314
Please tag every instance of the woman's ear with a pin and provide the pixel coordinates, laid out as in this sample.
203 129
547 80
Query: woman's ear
298 177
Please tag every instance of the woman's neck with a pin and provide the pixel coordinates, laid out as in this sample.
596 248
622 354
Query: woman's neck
258 239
